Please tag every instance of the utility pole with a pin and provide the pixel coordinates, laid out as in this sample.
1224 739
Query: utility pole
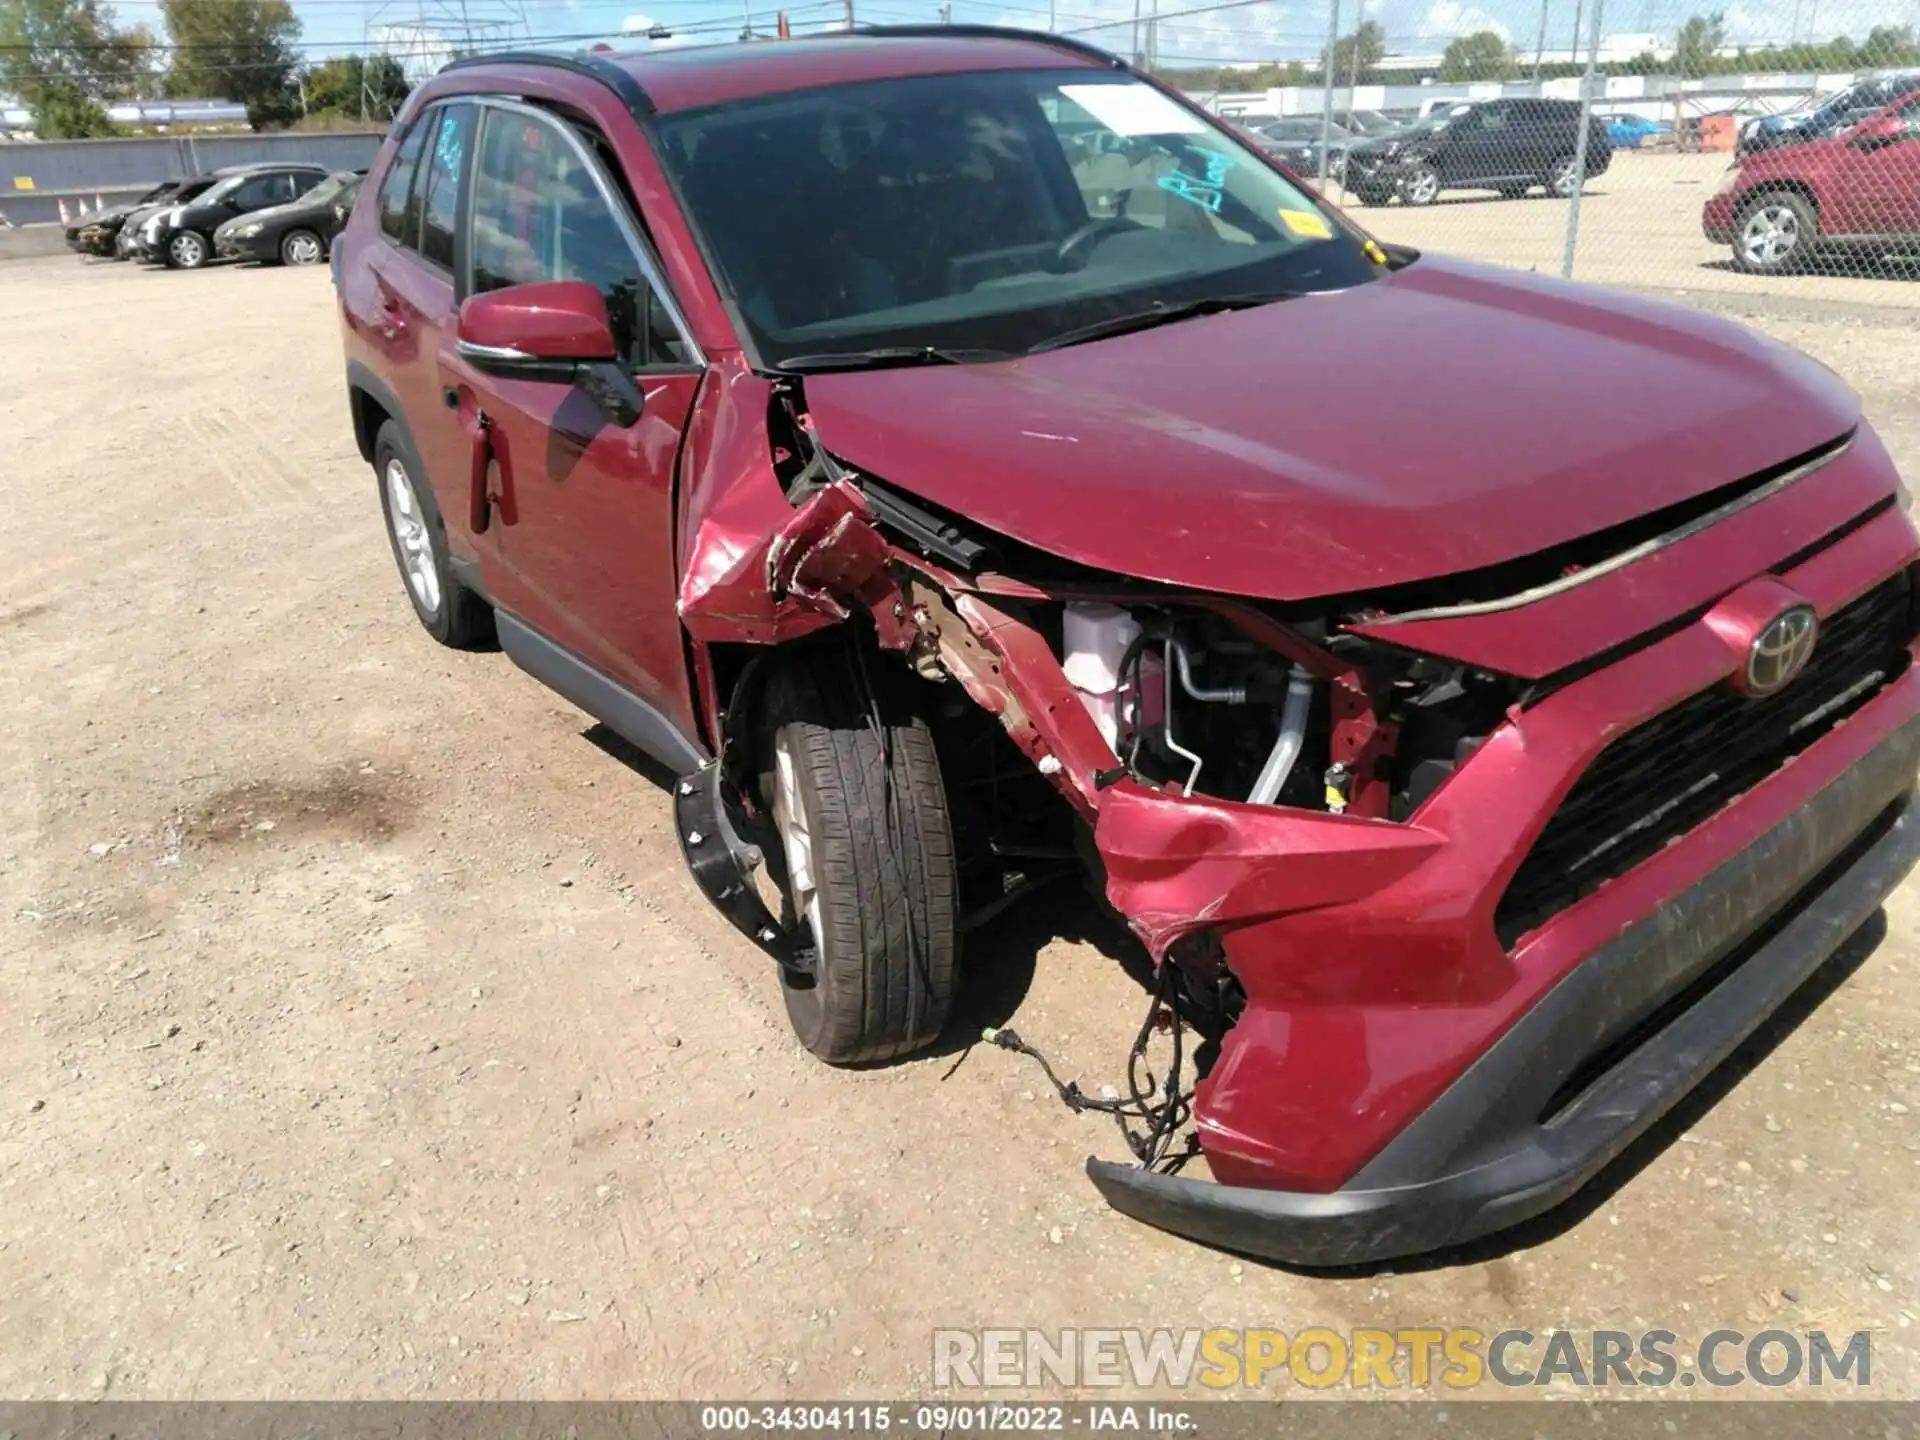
1326 86
1052 23
849 14
746 21
1134 56
1574 54
1540 45
946 13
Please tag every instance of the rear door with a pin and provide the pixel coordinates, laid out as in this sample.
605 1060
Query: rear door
414 294
585 512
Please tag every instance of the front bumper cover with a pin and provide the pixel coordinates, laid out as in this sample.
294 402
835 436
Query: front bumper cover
1483 1156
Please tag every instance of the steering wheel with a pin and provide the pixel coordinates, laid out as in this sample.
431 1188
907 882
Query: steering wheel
1076 249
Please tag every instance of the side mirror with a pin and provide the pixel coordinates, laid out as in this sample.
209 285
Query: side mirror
557 332
1880 130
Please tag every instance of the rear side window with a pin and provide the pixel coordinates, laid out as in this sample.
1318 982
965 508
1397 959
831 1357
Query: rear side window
397 185
538 215
442 178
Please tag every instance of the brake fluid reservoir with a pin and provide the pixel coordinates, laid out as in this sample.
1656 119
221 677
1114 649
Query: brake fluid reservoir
1094 639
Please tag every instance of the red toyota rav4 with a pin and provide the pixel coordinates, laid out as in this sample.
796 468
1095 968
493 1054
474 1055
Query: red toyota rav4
957 457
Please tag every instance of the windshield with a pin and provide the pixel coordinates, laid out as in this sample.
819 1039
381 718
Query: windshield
985 211
220 189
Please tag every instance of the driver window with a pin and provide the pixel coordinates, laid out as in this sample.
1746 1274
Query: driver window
539 216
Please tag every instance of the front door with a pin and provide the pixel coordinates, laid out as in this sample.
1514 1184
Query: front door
1876 187
583 508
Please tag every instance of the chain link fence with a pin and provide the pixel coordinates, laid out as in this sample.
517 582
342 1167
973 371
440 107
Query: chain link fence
1746 150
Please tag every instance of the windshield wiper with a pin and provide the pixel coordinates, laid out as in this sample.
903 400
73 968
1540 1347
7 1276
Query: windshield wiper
1160 314
885 357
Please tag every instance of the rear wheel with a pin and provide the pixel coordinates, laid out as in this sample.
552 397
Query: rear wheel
450 612
187 250
1563 177
1774 233
855 792
301 247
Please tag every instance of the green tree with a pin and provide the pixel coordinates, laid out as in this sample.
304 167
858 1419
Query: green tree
65 59
353 85
236 50
1694 48
1482 55
1367 44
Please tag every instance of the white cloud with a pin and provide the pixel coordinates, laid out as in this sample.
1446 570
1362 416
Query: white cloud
1449 20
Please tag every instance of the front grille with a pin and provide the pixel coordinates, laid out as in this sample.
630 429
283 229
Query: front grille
1655 783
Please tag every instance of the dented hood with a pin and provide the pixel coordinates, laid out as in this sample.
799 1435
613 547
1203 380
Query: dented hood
1441 419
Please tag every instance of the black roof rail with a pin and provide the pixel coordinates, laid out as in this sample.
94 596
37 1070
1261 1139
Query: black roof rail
990 32
631 92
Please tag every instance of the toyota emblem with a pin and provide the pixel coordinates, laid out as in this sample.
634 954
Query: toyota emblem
1780 651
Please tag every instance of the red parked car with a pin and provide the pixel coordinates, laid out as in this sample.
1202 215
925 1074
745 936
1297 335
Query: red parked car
940 501
1857 191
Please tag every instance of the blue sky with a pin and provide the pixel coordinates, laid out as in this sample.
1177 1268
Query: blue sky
1269 29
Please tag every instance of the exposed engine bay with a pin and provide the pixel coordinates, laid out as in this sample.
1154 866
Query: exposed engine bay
1240 777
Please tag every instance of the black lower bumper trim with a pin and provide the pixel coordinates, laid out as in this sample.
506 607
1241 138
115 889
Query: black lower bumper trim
1481 1157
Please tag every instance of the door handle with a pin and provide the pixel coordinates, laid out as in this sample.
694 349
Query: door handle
479 462
393 316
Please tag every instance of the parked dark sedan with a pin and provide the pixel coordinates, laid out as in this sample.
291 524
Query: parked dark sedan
297 234
1295 142
1836 114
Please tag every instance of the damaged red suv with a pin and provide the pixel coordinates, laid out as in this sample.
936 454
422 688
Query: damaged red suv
954 455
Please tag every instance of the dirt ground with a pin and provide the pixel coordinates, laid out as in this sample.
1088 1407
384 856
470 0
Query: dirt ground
368 1039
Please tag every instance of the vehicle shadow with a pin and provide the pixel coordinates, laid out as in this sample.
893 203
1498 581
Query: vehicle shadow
630 755
1000 957
1860 265
1755 1049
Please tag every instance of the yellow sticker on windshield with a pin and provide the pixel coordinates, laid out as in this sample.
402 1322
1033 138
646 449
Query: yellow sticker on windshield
1305 222
1374 252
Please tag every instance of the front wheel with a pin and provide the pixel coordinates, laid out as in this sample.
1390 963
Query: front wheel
1421 185
187 250
856 795
1774 233
302 247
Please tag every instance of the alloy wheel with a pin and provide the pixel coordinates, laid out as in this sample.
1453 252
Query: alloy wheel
1423 189
187 250
409 524
301 249
796 841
